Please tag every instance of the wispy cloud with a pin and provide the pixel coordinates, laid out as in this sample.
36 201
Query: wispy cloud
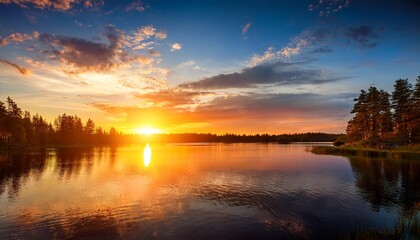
171 97
22 70
186 64
176 47
327 7
362 36
304 42
277 73
136 6
246 28
61 5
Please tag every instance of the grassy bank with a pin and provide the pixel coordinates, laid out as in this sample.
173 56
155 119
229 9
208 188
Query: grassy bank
403 152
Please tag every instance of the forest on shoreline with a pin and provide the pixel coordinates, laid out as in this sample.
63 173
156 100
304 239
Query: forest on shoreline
20 129
386 120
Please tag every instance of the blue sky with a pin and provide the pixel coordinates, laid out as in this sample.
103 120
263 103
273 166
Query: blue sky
205 66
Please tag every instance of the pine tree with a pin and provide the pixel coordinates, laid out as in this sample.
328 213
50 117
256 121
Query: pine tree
358 126
385 122
401 102
373 114
17 134
89 130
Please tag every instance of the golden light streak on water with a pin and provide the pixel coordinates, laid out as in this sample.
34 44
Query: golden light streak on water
147 155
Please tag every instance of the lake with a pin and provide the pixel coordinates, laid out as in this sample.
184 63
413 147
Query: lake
200 191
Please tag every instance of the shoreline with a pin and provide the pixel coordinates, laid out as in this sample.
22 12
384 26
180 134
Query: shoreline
348 151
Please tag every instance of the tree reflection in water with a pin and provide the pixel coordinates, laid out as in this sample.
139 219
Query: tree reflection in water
16 167
386 183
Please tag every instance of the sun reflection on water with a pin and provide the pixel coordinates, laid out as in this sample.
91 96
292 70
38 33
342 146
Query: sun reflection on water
147 155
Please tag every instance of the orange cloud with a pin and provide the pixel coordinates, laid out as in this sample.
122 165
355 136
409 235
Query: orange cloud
22 70
18 37
61 5
172 97
249 113
161 35
176 47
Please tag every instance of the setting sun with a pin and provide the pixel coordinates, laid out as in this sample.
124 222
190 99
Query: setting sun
147 130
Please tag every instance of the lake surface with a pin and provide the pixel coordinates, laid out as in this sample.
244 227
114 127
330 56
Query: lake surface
200 191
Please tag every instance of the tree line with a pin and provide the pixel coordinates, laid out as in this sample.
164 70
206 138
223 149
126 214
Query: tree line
244 138
382 118
19 128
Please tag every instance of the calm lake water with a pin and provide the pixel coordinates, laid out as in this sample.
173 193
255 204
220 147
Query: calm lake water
200 191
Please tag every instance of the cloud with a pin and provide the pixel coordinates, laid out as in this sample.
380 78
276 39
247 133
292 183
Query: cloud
326 7
171 97
144 60
304 42
154 53
176 47
281 105
278 73
84 55
186 64
251 112
4 42
61 5
294 48
22 70
362 36
256 59
18 37
199 68
143 37
135 6
141 34
161 35
246 28
147 30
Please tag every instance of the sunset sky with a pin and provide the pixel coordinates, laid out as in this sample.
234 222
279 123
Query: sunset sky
205 66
